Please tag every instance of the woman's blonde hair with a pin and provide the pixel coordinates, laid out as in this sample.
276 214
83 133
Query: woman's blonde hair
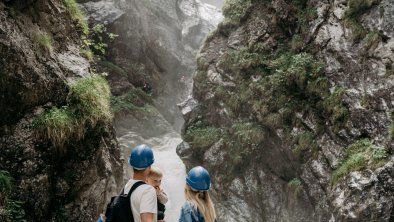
202 201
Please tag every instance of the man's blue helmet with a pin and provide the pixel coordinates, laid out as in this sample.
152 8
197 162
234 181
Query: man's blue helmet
198 179
141 157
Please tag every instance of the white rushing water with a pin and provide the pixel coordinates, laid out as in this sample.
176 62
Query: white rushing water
154 130
158 134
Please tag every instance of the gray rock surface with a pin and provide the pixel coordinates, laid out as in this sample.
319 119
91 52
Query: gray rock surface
259 188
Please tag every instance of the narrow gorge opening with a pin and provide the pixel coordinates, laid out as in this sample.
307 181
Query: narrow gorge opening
165 39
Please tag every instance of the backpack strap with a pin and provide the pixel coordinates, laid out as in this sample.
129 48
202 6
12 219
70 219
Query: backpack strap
135 185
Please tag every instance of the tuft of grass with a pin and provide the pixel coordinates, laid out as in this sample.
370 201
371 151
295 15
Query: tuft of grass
305 142
44 41
355 9
87 53
389 69
56 125
333 107
77 16
296 43
88 105
235 10
358 7
90 98
359 155
295 185
372 40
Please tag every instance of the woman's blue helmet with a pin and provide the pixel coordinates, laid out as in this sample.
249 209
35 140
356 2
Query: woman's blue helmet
141 157
198 179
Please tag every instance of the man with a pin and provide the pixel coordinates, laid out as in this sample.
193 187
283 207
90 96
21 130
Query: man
143 200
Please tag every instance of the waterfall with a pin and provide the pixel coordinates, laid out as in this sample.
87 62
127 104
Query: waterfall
168 36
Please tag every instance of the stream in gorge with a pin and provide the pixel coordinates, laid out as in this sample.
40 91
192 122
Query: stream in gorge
162 134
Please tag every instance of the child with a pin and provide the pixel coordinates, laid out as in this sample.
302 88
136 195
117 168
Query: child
154 179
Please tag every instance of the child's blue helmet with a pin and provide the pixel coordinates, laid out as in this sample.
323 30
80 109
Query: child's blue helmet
198 179
141 157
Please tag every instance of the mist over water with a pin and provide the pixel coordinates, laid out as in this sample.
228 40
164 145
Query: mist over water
217 3
157 133
160 129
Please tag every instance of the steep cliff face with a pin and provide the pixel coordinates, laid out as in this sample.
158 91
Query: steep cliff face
64 161
156 46
292 111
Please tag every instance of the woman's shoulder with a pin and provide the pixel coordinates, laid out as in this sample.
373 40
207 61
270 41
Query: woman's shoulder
187 206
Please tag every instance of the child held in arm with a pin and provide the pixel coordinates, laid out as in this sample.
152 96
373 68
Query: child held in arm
154 179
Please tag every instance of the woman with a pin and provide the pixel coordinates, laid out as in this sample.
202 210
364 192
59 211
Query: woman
198 206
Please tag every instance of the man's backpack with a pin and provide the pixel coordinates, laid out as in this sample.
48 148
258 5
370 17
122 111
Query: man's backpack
119 209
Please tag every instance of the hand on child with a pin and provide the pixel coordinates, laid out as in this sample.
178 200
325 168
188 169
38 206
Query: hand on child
158 190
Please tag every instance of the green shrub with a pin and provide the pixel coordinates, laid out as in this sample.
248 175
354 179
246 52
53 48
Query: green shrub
359 155
201 136
112 67
77 16
88 104
235 10
243 63
248 133
136 100
300 74
242 142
